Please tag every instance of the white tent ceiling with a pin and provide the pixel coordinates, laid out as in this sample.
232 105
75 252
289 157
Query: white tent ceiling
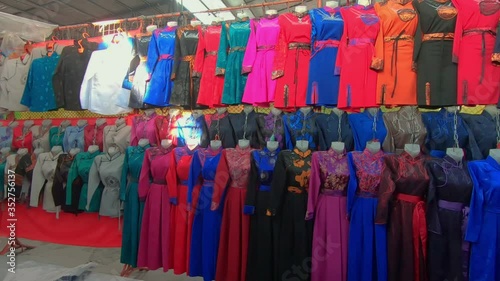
69 12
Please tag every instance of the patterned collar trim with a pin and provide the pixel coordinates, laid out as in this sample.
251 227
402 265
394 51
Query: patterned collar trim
238 148
271 153
376 155
335 154
302 154
190 151
453 162
218 116
408 157
213 152
116 155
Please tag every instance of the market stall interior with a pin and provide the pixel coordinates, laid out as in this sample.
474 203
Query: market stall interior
236 140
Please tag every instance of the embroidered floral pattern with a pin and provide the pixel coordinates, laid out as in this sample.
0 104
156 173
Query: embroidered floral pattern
334 170
368 170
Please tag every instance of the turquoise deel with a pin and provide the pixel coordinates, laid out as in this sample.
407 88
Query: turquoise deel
81 168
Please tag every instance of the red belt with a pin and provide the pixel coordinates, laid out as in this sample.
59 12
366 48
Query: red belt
419 230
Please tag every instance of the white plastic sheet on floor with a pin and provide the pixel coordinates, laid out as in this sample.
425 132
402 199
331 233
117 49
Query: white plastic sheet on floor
33 271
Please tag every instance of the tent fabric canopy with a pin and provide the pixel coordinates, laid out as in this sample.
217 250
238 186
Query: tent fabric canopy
25 28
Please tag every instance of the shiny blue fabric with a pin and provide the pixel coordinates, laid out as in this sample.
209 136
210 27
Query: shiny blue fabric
440 133
160 63
301 127
483 230
362 128
323 85
6 134
206 223
132 207
38 94
367 240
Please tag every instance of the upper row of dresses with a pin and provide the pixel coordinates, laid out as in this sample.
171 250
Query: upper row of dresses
393 53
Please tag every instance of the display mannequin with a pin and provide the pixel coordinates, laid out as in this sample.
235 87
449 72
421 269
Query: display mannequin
217 21
22 151
38 150
149 112
197 113
301 10
113 150
302 145
172 24
47 123
373 146
151 28
215 144
119 123
5 151
143 142
82 123
306 109
93 148
365 3
332 4
242 15
166 143
27 126
272 145
495 154
456 153
41 135
492 110
174 112
221 110
74 151
271 13
412 149
195 23
56 150
373 110
275 111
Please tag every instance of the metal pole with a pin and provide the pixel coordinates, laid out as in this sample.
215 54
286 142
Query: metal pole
320 3
265 4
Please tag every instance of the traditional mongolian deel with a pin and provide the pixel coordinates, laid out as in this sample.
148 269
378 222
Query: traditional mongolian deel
436 72
186 85
41 137
404 126
327 29
220 128
258 61
404 184
367 127
166 128
447 207
207 222
211 86
22 137
6 134
138 74
327 205
94 135
231 179
291 63
160 64
397 80
43 178
107 169
478 77
132 207
367 251
233 42
270 127
38 94
117 136
191 129
260 258
484 128
64 163
181 217
154 245
358 82
483 228
245 127
300 126
288 204
143 127
333 127
77 185
74 138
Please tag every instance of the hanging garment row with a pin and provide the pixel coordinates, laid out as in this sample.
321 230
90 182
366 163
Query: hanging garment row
426 53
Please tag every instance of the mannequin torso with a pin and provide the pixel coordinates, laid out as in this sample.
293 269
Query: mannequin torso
143 142
93 148
412 149
302 145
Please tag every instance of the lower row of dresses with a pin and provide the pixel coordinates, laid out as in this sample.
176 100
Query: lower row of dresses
256 215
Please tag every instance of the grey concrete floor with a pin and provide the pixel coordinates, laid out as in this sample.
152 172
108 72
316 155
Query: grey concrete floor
71 256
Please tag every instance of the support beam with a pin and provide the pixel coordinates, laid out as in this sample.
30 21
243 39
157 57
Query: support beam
35 16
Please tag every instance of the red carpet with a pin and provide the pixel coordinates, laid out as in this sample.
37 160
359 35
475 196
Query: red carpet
87 229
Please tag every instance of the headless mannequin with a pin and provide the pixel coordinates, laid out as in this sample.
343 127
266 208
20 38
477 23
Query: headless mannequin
338 146
215 144
143 142
174 112
37 151
492 110
81 123
64 124
112 151
197 113
217 21
332 4
305 110
195 23
120 122
22 151
242 15
151 28
454 152
221 110
46 124
13 124
5 151
248 109
93 148
27 125
271 13
373 110
412 149
56 150
149 112
166 143
373 146
100 122
302 145
300 10
244 143
172 24
364 3
275 111
74 151
495 154
272 145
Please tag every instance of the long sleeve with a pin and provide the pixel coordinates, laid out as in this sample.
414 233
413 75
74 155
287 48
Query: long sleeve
172 180
314 187
418 34
37 182
281 52
94 181
495 57
388 144
457 40
86 87
476 206
252 188
177 53
194 177
378 54
221 181
28 89
342 46
58 82
278 185
144 178
72 175
123 181
66 145
222 52
133 133
386 190
153 53
251 50
352 185
433 222
199 60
